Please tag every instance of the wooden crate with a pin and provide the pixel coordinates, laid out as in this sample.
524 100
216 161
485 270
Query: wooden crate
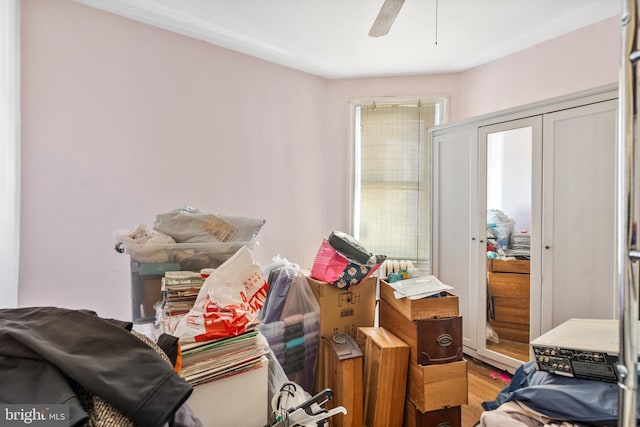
386 360
343 368
509 296
429 387
434 387
450 417
430 340
423 308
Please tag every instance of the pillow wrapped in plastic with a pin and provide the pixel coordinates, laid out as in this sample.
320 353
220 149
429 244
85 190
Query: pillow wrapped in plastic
190 225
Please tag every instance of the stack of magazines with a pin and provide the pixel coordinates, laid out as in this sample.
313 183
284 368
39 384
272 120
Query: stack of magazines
212 360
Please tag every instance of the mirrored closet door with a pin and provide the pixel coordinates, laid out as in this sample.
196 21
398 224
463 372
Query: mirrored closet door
509 206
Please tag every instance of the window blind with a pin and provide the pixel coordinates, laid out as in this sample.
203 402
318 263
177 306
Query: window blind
392 186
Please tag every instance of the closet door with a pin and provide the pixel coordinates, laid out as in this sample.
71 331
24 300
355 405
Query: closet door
509 177
454 220
579 147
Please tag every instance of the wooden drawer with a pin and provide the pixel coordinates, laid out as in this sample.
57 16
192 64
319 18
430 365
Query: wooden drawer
431 341
429 387
509 285
509 266
423 308
434 387
511 331
509 305
449 417
514 310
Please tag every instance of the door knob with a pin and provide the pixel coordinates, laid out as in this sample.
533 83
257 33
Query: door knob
547 247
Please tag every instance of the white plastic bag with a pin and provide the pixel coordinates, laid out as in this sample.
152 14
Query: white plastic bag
228 302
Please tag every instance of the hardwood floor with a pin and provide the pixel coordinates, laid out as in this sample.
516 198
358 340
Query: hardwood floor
517 350
485 382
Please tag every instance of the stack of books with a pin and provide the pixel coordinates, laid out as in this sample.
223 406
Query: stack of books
179 292
213 360
520 245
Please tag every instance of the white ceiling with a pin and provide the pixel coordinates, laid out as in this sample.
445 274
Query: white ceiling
329 38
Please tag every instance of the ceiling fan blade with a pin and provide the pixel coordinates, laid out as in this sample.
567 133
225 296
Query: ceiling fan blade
385 18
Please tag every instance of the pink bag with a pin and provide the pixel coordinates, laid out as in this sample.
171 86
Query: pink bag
332 267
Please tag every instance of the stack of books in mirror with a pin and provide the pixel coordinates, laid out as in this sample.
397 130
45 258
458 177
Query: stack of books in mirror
520 245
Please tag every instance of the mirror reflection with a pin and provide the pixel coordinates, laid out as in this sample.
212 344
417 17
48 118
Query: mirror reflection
509 160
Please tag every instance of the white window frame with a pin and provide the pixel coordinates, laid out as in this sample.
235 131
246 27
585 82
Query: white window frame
442 113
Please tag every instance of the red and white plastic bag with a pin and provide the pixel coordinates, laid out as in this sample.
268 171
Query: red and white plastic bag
228 302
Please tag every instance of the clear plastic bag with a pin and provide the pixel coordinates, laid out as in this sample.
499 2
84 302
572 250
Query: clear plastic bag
291 322
144 245
190 225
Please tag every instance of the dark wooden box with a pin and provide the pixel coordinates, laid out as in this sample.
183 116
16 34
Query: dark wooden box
447 417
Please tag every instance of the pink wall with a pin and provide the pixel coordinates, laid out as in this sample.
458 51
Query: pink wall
577 61
122 121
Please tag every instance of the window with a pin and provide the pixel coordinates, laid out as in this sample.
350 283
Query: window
391 212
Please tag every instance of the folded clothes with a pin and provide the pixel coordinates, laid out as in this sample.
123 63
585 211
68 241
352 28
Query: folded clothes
294 342
292 320
293 331
295 353
272 329
276 340
312 328
295 366
279 355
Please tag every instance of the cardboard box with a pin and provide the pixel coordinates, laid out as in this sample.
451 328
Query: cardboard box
386 360
342 312
423 308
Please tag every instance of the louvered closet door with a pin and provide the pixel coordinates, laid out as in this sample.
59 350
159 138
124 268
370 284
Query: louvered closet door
579 147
